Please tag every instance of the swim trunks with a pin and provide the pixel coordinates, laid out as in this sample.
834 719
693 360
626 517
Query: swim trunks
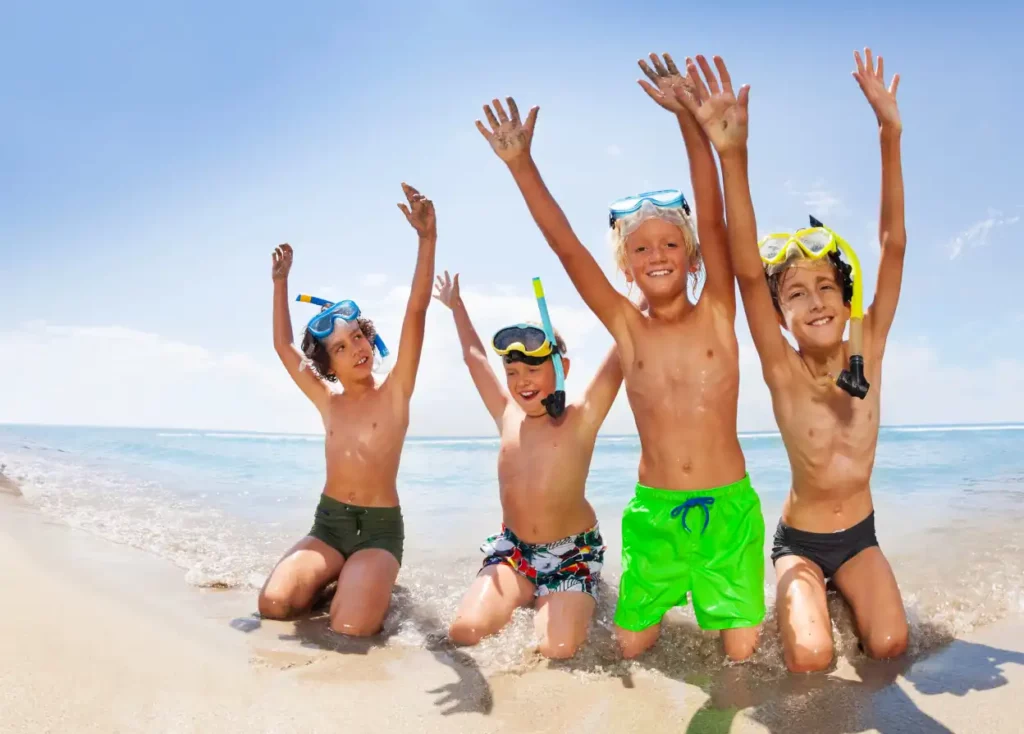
350 528
708 542
829 550
569 564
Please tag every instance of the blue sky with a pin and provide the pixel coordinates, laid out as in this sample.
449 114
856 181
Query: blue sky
150 158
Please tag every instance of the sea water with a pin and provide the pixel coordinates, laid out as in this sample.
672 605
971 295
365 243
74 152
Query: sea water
224 506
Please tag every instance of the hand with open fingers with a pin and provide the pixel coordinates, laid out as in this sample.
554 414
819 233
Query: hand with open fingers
722 114
419 212
508 135
871 78
281 259
667 83
446 289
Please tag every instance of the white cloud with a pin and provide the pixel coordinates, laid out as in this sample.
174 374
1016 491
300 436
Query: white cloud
111 375
818 198
374 280
614 151
979 233
117 376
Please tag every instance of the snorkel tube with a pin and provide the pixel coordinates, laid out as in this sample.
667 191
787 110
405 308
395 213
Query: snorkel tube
555 402
852 380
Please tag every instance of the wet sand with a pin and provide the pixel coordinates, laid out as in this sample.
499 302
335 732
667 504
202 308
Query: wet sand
100 637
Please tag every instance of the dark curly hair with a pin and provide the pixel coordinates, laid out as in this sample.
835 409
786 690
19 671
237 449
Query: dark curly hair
316 352
844 277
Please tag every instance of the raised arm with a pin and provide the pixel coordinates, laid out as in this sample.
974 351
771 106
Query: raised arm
511 138
602 389
723 117
892 232
667 87
474 354
292 359
420 213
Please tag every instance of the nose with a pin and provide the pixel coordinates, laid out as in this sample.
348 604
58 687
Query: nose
816 301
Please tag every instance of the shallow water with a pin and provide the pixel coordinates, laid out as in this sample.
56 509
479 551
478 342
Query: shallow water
224 506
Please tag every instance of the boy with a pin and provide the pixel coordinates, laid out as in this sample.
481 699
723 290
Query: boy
550 552
695 523
827 526
358 532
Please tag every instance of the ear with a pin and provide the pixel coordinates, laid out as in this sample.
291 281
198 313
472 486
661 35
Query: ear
629 276
694 266
565 366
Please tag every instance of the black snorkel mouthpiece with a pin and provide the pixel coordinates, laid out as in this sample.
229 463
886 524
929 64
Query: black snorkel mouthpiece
554 403
852 380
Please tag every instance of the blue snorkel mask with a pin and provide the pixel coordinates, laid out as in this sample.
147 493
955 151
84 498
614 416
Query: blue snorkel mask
663 200
555 402
322 325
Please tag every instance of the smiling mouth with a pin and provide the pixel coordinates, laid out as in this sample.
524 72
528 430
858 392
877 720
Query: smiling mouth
363 361
821 322
659 273
529 394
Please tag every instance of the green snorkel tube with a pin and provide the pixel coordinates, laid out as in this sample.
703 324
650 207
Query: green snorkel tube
852 380
555 402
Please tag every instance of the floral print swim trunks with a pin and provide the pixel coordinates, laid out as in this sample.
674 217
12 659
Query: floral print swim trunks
569 564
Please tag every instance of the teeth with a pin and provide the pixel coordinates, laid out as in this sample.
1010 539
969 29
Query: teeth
822 321
658 273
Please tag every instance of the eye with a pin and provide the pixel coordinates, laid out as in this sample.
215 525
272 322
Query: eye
640 248
796 294
672 244
359 335
828 287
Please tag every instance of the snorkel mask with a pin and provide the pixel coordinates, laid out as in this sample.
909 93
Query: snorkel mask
532 345
322 325
627 214
816 243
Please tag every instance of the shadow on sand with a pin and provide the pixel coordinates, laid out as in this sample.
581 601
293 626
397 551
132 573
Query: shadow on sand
471 693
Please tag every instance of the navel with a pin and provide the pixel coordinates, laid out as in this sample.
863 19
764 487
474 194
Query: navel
711 353
810 433
640 364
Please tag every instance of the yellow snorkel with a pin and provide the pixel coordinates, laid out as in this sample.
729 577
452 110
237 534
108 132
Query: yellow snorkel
852 380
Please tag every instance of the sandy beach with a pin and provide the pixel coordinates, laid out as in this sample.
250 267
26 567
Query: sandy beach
97 637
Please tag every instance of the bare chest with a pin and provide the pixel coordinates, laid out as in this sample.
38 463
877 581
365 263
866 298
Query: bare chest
364 431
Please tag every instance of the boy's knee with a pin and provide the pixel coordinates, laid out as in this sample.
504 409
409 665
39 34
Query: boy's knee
466 632
809 658
739 650
355 627
275 603
634 644
559 649
888 644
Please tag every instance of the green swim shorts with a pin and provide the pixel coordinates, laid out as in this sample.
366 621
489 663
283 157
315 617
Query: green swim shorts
350 528
709 543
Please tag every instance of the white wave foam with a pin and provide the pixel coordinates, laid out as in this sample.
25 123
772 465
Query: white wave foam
953 429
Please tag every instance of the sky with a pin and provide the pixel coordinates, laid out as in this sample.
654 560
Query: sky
152 155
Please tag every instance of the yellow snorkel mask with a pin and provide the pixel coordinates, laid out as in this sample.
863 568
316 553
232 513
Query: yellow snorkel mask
817 242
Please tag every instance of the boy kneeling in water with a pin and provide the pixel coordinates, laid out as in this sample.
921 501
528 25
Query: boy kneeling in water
357 535
549 552
827 528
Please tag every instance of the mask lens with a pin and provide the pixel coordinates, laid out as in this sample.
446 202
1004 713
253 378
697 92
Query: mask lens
816 241
772 246
530 337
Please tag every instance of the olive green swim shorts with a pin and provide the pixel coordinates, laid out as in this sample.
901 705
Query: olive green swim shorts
350 528
709 543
